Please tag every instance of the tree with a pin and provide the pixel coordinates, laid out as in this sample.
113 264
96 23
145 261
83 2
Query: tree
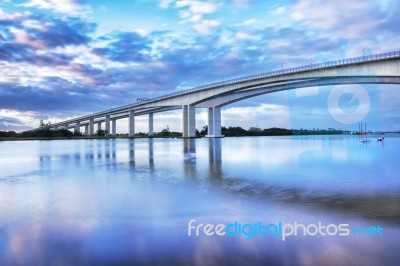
204 131
42 124
101 132
166 131
255 129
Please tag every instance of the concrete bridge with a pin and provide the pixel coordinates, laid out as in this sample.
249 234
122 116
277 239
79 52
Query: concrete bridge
372 69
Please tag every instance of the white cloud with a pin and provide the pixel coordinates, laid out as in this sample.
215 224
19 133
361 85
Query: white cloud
316 13
29 119
265 116
206 26
244 36
242 3
193 11
165 3
14 16
250 22
23 37
35 24
247 22
330 14
198 6
189 16
279 11
62 6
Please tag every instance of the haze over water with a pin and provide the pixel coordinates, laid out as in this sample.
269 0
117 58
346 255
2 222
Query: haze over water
70 202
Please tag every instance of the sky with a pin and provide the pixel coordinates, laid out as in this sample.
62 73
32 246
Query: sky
60 59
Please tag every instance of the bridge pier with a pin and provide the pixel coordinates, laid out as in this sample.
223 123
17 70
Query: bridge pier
78 127
131 123
66 126
214 122
98 126
114 127
86 130
107 122
210 121
151 125
189 121
192 121
185 121
91 127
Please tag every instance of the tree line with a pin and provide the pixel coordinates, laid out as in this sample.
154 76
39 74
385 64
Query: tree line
226 131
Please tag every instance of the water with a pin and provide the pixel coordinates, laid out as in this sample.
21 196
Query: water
104 202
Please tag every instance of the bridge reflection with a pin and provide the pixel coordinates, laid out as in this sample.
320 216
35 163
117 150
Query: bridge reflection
200 161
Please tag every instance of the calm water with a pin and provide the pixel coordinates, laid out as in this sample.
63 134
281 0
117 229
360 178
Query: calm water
103 202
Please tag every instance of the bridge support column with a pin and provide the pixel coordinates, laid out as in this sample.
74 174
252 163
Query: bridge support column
214 122
189 121
107 125
151 125
192 121
86 130
78 127
98 126
66 126
91 127
185 121
114 127
210 121
131 123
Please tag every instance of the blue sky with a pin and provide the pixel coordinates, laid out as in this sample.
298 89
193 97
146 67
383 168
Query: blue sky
64 58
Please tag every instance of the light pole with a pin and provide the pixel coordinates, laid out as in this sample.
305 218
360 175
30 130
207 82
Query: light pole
364 51
283 65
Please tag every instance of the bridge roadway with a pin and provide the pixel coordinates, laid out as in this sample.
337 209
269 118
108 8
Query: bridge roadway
372 69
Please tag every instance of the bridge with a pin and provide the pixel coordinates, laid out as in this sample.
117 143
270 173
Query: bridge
372 69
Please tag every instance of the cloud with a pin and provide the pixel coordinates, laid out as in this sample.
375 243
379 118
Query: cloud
206 26
193 11
195 7
61 6
265 115
126 47
279 11
9 121
165 3
351 19
7 17
242 3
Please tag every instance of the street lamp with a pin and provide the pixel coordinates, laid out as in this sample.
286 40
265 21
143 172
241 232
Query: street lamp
364 51
283 65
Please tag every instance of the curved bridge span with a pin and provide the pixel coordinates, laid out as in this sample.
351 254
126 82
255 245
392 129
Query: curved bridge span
373 69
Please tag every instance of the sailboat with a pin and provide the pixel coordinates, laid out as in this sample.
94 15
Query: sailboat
363 135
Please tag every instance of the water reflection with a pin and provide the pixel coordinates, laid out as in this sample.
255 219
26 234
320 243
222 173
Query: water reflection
189 151
129 201
215 159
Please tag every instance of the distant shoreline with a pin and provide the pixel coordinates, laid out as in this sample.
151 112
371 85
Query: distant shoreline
372 135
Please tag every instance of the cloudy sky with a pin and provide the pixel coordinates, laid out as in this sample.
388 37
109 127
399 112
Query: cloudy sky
64 58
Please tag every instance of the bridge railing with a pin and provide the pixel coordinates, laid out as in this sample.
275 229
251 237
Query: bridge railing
339 62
